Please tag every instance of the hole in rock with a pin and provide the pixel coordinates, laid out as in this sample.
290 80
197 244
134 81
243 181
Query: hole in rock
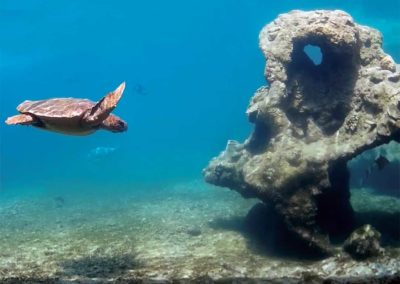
320 83
314 53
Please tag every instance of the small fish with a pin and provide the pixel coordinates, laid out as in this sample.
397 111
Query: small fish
60 201
101 152
140 90
379 163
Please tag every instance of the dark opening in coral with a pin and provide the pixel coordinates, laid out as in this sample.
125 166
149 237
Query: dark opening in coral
335 215
259 139
320 92
314 53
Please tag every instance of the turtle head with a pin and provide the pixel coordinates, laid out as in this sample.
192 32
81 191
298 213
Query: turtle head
114 124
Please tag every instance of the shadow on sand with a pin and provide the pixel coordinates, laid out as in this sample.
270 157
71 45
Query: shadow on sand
266 234
99 266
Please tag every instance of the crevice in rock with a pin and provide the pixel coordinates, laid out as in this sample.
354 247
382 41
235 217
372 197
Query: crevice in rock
259 139
334 212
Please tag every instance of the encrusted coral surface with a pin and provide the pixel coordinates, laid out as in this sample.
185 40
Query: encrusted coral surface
311 120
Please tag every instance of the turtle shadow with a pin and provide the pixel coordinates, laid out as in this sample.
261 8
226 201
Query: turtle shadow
99 266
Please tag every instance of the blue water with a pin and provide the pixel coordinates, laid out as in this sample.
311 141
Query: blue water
191 68
72 205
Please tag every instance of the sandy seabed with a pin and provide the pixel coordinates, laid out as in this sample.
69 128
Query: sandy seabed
183 233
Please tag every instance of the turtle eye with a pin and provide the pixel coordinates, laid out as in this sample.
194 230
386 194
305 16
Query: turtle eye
122 125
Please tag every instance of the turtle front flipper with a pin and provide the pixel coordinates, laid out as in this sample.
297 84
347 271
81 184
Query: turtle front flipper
104 107
23 119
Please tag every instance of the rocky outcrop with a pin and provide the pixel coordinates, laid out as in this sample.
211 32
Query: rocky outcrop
311 119
363 243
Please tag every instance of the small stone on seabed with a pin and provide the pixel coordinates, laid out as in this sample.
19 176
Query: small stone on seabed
363 243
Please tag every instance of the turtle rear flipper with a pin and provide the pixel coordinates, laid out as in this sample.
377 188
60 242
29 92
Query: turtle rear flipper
23 119
104 107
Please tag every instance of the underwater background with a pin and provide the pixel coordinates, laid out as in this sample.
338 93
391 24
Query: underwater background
191 58
190 67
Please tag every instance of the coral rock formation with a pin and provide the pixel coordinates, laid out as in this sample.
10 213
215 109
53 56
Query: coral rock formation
311 120
363 243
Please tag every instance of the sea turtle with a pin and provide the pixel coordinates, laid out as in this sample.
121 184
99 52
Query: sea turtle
72 116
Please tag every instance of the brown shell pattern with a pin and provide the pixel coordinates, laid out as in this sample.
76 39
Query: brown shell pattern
56 108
